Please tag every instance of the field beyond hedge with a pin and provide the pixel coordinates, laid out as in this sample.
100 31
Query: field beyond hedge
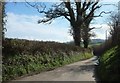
24 57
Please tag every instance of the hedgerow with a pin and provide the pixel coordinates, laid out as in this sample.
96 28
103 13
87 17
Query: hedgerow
22 57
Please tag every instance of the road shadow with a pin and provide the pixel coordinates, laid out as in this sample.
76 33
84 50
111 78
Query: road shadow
87 67
82 68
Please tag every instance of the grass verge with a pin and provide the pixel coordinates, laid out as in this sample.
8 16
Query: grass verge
109 68
20 65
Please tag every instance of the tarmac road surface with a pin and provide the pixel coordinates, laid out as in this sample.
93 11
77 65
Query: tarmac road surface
78 71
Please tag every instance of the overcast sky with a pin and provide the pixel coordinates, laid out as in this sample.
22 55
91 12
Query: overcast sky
22 23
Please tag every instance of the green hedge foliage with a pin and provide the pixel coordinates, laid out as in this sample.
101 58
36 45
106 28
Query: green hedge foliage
22 57
109 67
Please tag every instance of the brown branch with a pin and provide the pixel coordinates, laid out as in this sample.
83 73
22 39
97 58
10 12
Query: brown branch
51 13
92 11
62 13
87 6
67 18
94 28
44 20
71 12
37 7
78 10
100 15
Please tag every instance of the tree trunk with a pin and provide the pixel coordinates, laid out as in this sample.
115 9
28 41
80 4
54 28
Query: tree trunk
1 26
1 13
77 36
85 42
86 36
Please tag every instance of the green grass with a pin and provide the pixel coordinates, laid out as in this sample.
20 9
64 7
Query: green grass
109 68
94 44
20 65
91 44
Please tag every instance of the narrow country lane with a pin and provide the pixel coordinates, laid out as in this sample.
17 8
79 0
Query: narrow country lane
78 71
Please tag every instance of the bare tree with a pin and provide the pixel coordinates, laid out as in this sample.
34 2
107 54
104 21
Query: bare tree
74 12
86 28
115 28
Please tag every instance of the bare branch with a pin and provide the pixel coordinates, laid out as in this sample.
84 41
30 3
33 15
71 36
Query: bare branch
110 4
100 15
71 12
91 28
51 13
44 20
87 6
67 18
94 28
38 7
92 11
